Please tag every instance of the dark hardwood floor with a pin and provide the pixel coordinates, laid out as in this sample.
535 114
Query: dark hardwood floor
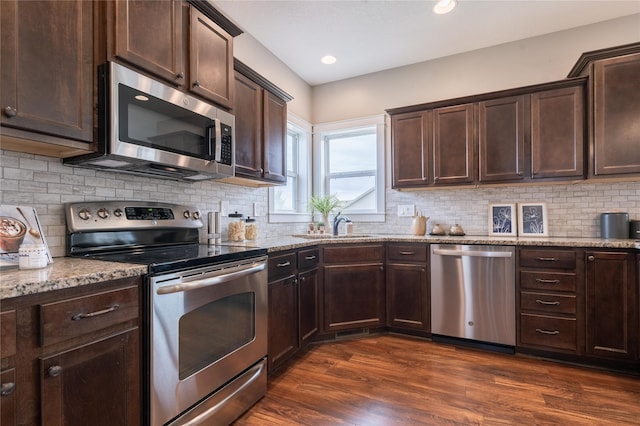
394 380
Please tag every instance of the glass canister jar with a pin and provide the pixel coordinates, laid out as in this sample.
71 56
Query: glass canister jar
236 231
251 229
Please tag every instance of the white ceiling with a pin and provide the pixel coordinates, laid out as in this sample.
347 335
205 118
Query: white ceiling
374 35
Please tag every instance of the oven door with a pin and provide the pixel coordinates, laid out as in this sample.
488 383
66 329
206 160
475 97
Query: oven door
207 326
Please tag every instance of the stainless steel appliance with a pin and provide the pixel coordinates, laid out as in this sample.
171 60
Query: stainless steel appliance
473 295
205 307
146 127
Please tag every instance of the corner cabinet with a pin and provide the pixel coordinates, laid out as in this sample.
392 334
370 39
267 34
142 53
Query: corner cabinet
353 287
184 46
260 109
45 100
614 102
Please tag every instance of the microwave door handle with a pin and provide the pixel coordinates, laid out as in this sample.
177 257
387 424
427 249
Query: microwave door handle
209 137
218 141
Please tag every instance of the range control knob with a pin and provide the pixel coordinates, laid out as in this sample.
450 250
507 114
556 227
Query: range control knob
118 212
186 214
196 215
84 214
103 213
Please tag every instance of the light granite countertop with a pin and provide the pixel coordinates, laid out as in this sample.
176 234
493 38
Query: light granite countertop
66 272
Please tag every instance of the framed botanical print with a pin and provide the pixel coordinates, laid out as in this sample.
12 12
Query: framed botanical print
502 220
532 220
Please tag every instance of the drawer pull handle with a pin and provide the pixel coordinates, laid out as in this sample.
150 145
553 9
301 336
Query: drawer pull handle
547 259
407 253
546 302
78 317
545 281
539 330
309 257
54 371
283 264
7 388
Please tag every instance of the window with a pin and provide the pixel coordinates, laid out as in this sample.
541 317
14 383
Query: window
350 159
289 203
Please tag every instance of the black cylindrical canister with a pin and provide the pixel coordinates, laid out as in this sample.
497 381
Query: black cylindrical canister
614 225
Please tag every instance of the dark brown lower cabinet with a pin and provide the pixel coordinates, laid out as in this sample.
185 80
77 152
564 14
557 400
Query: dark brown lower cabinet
611 305
308 295
283 309
353 287
96 383
8 413
408 301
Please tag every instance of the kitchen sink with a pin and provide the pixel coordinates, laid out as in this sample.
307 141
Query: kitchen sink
331 237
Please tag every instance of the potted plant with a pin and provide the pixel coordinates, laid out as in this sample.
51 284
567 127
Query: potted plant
324 204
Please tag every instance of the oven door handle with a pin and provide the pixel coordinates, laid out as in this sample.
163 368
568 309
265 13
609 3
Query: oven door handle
207 282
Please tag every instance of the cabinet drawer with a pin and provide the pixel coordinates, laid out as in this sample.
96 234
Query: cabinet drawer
308 259
553 259
552 303
281 266
71 318
556 281
353 253
407 252
551 332
8 337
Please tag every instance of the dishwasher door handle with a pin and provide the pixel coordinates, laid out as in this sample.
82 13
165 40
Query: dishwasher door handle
505 254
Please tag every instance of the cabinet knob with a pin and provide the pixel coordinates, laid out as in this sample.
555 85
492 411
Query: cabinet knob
591 258
54 371
261 170
10 112
7 389
196 84
180 75
519 173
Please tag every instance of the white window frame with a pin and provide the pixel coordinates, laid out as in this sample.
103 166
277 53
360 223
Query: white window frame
320 168
303 129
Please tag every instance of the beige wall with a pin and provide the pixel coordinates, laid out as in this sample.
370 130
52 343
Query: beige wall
530 61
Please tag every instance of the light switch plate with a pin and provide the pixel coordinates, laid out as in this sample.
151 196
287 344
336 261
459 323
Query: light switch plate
406 210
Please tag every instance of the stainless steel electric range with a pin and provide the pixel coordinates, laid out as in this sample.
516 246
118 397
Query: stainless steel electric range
205 307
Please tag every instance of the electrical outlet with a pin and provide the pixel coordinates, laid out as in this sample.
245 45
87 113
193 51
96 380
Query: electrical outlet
406 210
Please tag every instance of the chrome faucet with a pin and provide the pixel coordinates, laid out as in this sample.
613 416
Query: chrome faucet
336 221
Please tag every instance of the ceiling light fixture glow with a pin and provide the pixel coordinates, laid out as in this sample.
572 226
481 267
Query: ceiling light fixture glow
444 6
328 60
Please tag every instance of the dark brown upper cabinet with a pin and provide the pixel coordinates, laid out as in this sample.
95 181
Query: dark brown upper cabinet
46 91
184 46
614 108
410 149
453 145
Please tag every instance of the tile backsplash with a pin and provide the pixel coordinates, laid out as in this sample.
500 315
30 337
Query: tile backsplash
46 184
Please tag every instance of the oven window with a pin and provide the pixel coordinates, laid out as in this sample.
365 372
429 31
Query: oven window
149 121
214 330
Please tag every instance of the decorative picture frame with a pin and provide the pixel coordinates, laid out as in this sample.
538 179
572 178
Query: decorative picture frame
502 220
532 220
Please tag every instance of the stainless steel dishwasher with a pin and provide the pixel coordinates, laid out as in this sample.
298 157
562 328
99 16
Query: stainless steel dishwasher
473 295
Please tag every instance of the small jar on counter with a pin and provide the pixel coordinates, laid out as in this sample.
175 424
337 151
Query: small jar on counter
251 229
32 256
236 230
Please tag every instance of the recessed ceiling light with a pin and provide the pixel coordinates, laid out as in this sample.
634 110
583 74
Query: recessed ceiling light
328 59
444 6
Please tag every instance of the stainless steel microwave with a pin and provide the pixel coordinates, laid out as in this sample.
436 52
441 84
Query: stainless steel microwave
146 127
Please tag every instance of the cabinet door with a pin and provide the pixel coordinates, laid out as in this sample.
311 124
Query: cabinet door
501 139
8 401
247 108
308 323
275 138
211 60
47 67
408 297
94 384
354 296
410 150
283 321
148 34
557 133
453 145
611 305
616 107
